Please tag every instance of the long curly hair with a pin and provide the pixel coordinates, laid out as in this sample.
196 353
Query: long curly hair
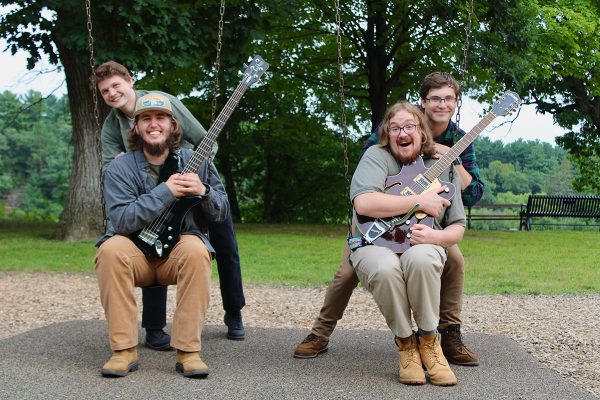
135 141
427 143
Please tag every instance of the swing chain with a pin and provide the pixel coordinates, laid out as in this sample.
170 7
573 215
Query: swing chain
96 108
463 67
343 110
93 76
217 63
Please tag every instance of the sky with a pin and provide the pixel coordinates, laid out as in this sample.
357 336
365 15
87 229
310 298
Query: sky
526 124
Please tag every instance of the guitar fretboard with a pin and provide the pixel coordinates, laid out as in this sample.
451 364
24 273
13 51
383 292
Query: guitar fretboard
205 147
446 160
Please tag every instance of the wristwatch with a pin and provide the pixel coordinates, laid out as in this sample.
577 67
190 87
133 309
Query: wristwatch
458 161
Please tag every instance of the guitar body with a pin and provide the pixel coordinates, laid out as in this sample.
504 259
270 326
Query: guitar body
415 179
410 181
159 237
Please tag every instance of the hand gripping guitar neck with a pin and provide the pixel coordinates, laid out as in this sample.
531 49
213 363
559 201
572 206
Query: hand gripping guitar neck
416 179
160 236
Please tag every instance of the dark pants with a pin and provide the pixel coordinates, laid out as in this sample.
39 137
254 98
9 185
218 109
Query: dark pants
222 237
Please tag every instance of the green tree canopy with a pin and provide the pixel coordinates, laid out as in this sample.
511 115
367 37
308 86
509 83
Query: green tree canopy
548 52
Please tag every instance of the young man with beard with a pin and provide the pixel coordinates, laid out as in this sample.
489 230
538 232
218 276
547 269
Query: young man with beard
136 192
116 88
411 281
439 92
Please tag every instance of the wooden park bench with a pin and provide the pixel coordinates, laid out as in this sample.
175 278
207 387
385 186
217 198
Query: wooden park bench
559 206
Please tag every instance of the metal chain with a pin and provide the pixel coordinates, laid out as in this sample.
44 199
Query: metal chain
92 66
217 63
463 67
88 11
343 110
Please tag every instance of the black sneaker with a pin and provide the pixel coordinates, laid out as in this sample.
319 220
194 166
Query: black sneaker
157 339
235 326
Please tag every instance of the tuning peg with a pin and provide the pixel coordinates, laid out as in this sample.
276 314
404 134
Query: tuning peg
240 73
249 59
245 65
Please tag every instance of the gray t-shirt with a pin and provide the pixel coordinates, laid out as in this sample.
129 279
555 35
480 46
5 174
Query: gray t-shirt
377 164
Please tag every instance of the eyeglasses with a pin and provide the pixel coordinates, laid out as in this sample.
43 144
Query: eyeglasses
408 129
438 100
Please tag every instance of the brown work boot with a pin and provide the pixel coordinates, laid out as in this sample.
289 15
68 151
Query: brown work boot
311 346
121 363
411 368
191 365
454 349
436 364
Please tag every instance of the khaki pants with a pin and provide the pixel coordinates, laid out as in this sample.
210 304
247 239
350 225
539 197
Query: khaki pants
345 280
401 284
121 265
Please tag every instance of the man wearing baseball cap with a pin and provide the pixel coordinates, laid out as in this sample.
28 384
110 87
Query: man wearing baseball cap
115 85
139 186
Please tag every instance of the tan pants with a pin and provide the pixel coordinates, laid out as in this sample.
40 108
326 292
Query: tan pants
345 280
401 284
121 265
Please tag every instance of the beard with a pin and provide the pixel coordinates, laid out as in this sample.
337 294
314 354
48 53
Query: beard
157 149
404 159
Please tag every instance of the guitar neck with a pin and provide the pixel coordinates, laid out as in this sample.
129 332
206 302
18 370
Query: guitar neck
446 160
205 147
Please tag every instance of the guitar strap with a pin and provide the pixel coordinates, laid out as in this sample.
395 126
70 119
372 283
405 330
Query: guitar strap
459 193
356 242
172 165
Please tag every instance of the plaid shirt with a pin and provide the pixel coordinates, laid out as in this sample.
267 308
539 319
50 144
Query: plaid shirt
472 193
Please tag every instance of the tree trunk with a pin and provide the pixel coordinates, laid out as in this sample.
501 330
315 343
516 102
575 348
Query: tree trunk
82 217
376 60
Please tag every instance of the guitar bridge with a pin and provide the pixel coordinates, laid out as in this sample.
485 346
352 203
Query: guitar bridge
152 239
378 228
148 237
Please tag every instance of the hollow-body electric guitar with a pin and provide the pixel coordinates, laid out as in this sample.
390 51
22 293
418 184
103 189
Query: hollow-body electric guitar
416 179
160 236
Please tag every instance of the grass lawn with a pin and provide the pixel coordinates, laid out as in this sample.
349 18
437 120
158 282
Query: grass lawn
497 262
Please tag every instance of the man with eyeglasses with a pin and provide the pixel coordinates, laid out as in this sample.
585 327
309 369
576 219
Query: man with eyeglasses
410 282
439 92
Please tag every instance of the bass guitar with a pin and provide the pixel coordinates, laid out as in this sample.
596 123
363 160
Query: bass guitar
416 179
160 236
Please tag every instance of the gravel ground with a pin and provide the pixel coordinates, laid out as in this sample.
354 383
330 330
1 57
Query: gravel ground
560 331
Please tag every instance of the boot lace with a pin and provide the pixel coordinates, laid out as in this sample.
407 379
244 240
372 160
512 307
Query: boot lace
311 338
454 335
432 354
410 356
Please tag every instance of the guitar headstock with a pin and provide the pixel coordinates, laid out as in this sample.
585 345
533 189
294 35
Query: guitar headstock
506 104
255 69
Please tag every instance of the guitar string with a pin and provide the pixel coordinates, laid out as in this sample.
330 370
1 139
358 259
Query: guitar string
461 145
440 165
197 157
